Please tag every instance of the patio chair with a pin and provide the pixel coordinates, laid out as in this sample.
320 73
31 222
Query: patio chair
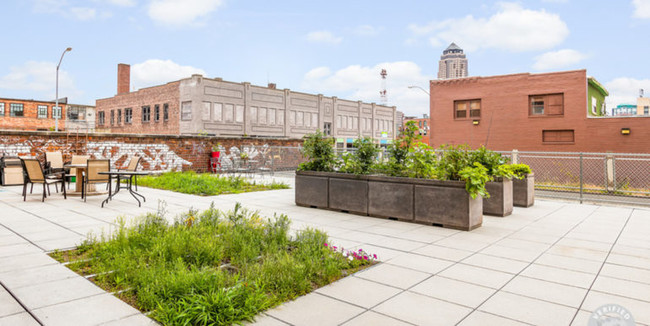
76 159
53 162
132 167
33 173
92 176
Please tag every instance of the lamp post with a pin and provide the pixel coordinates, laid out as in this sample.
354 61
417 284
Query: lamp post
56 101
422 89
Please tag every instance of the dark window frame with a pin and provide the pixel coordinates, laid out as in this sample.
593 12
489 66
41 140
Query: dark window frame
128 115
57 112
119 117
100 118
166 112
327 128
39 109
146 114
13 108
156 112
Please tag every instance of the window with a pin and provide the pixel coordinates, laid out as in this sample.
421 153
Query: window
186 111
253 114
2 109
76 113
239 114
56 112
263 115
166 111
119 116
112 117
156 113
327 128
461 109
546 105
646 110
217 115
229 112
205 111
271 116
146 113
42 111
100 118
128 115
558 136
16 109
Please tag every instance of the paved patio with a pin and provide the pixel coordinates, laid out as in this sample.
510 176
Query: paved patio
551 264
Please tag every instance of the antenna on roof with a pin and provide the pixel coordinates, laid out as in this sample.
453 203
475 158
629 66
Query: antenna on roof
640 92
382 91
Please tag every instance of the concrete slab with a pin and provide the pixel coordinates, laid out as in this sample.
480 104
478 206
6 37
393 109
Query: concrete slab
422 310
359 291
302 311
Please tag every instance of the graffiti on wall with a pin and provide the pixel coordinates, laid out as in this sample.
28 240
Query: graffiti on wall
157 156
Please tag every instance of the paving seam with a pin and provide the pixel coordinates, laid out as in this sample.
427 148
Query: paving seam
39 217
21 304
21 236
603 264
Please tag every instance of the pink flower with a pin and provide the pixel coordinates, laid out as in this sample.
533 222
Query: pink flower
325 244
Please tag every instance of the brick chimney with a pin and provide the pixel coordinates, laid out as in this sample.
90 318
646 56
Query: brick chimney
123 78
272 86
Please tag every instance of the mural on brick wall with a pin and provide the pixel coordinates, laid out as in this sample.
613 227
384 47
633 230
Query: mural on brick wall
248 154
157 156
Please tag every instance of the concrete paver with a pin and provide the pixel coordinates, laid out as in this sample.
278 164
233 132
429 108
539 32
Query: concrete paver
535 266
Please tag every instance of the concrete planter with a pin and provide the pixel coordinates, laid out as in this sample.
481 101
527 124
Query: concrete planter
312 189
500 201
523 191
441 203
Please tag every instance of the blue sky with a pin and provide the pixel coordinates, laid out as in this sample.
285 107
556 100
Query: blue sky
336 48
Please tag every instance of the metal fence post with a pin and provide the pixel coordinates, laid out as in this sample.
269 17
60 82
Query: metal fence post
581 185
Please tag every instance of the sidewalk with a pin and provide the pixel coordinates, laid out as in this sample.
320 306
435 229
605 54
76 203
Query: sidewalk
551 264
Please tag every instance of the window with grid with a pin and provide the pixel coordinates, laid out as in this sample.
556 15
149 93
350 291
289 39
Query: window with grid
119 116
56 112
467 109
128 115
327 128
156 113
112 117
2 109
146 113
42 111
546 105
166 111
16 109
100 118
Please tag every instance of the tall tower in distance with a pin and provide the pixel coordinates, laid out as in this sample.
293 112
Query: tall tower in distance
453 63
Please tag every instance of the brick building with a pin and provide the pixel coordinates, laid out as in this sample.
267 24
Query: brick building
22 114
206 106
531 112
423 124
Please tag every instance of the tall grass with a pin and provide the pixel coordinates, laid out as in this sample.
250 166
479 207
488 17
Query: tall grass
211 267
204 184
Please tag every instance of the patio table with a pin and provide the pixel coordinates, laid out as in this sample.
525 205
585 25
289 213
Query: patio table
92 191
128 176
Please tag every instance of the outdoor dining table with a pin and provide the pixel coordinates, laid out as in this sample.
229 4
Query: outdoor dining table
92 191
128 176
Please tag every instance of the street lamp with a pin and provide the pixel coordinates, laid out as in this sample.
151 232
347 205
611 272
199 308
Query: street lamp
56 101
422 89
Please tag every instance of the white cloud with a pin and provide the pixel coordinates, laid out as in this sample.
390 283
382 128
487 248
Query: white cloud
366 30
625 90
82 13
641 8
155 72
323 37
181 12
39 79
558 59
364 82
123 3
512 28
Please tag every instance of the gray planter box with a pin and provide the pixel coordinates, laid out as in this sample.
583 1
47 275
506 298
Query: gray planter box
441 203
500 201
314 189
523 191
390 197
447 204
348 192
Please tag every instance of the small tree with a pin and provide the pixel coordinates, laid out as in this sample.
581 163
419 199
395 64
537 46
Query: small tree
362 160
318 149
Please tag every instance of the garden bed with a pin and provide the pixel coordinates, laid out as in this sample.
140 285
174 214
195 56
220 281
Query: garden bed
204 184
211 267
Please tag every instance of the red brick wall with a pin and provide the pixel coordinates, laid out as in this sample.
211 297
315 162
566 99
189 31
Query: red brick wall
425 138
123 78
505 123
30 120
159 152
168 93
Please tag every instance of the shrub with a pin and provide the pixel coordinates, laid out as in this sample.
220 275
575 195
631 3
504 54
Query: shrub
520 170
491 160
318 149
363 159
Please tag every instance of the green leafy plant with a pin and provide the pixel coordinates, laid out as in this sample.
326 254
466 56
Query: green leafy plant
421 161
491 160
451 161
216 147
362 160
398 152
205 184
475 178
520 170
318 149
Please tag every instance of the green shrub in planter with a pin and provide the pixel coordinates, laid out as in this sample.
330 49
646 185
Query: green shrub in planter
361 161
520 170
318 149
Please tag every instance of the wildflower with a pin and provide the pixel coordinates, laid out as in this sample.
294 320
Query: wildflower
325 244
374 256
